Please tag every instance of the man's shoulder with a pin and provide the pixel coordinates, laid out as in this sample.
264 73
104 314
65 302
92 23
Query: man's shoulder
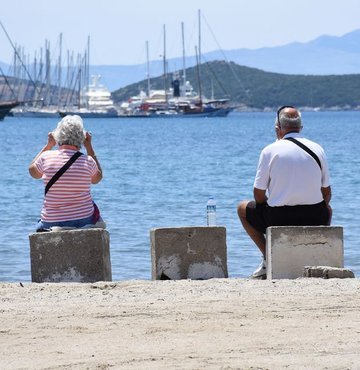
273 146
311 144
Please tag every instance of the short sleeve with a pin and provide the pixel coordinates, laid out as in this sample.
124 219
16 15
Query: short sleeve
262 177
39 164
93 166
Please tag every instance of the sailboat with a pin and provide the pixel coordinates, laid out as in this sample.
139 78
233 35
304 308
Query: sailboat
5 108
180 100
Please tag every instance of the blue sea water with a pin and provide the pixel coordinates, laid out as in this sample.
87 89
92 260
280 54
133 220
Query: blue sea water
160 172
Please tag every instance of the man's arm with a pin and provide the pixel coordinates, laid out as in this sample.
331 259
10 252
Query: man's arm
326 193
260 196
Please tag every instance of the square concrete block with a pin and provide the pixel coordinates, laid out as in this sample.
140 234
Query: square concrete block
79 255
290 248
197 253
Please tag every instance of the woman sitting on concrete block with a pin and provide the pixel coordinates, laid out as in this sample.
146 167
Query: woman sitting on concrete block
67 176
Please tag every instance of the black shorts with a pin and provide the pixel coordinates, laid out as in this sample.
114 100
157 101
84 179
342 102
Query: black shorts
262 216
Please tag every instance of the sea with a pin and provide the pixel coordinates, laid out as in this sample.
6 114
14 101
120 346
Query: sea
160 172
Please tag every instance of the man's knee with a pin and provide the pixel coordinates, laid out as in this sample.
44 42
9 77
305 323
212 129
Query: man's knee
242 208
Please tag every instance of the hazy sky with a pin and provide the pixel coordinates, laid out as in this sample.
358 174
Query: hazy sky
119 29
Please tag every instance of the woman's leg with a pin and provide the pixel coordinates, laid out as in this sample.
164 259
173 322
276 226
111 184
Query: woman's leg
44 226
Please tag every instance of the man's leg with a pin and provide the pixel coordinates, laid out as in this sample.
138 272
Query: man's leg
330 214
257 237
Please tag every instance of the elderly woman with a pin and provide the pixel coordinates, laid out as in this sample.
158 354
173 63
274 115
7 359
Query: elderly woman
67 201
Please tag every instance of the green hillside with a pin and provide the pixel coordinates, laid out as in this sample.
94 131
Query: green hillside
258 89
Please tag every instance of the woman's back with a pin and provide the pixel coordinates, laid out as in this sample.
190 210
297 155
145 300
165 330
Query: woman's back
69 198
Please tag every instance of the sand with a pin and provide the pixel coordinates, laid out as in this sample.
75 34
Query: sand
214 324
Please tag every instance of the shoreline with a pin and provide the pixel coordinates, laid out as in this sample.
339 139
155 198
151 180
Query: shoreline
184 324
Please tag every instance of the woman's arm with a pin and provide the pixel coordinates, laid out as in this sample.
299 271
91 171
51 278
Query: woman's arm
34 172
90 151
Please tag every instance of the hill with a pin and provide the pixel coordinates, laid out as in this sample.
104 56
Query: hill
258 89
324 55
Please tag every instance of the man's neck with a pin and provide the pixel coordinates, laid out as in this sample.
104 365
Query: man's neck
290 131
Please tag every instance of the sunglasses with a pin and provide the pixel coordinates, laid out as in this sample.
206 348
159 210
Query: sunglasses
280 109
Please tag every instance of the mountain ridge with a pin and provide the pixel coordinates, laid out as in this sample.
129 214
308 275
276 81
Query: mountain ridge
325 55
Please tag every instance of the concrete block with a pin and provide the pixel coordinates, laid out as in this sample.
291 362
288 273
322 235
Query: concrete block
290 248
197 253
79 255
327 272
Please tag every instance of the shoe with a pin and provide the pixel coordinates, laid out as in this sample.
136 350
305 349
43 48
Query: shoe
260 272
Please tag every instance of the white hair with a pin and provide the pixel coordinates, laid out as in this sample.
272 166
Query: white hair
70 131
287 121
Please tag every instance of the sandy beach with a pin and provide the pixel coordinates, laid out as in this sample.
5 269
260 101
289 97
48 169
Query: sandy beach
214 324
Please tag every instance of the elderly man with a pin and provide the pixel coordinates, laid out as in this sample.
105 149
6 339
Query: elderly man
291 186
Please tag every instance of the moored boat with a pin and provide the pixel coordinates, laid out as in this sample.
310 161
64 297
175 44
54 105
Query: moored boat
186 103
6 107
180 100
30 112
87 113
95 102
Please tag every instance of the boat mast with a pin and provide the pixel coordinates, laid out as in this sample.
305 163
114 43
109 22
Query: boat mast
80 76
47 72
198 73
59 72
88 63
147 68
198 57
164 61
184 60
199 43
17 54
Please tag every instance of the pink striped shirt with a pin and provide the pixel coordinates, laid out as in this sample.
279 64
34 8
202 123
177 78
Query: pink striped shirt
69 198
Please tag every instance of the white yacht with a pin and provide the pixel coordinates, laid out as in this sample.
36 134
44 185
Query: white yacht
95 101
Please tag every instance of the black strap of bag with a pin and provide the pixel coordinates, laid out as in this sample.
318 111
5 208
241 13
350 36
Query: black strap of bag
307 150
62 170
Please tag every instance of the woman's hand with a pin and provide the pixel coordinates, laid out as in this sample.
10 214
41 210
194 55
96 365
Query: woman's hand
51 141
88 144
90 151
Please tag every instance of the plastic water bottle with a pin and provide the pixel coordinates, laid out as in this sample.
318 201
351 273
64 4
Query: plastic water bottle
211 212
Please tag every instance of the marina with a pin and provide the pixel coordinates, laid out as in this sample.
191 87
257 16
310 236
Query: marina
41 90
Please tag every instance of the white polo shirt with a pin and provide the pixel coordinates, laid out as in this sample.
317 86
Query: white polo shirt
290 175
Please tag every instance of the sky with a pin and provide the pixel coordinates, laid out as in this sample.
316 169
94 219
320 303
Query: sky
119 29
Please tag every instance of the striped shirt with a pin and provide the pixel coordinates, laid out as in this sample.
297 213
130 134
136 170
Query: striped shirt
69 198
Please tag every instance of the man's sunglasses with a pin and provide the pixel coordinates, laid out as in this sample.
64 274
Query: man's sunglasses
280 109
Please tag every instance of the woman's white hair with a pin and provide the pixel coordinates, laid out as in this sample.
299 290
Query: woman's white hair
70 131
